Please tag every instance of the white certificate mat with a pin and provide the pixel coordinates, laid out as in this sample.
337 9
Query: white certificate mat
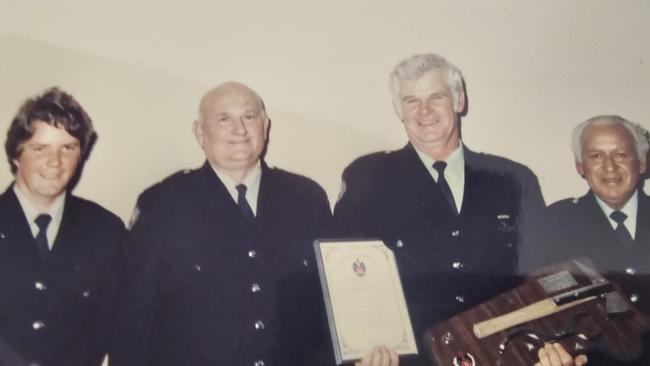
364 298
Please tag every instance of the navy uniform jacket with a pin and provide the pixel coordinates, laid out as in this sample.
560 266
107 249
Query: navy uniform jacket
58 312
447 264
205 287
579 228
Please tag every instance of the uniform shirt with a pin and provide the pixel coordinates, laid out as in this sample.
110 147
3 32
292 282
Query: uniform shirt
454 172
252 183
31 213
629 209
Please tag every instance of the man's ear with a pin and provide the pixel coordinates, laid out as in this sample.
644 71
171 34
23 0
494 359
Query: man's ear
267 125
580 169
460 105
197 128
642 165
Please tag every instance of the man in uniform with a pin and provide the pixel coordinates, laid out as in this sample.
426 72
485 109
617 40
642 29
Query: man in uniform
454 218
611 223
59 254
220 266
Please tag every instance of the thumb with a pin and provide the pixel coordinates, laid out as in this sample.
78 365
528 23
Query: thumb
581 360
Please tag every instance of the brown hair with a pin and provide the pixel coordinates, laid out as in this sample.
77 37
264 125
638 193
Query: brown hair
54 107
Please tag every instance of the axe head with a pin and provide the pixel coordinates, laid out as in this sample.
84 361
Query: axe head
617 306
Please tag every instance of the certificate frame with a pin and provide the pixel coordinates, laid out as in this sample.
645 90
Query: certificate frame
363 297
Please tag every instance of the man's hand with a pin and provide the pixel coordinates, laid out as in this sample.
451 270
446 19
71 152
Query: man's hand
555 355
379 356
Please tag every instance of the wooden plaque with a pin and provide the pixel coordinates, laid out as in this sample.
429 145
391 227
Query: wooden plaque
454 342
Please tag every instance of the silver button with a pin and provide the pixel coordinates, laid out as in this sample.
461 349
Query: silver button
40 286
2 235
457 265
38 325
455 233
255 287
85 294
399 243
259 325
305 263
447 338
197 268
630 270
259 363
634 298
460 299
252 254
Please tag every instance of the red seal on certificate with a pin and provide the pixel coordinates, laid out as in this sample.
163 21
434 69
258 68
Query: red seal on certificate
359 267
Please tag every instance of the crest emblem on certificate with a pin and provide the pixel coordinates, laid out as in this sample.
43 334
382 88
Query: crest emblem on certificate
359 267
464 359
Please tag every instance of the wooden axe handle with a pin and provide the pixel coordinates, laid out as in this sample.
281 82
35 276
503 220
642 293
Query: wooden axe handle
533 311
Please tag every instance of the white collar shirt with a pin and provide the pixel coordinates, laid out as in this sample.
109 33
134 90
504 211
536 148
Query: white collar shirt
31 213
629 209
252 183
454 172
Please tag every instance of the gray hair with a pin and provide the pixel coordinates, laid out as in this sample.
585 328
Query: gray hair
414 67
638 133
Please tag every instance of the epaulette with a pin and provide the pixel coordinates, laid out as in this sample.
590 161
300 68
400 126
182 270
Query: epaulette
176 175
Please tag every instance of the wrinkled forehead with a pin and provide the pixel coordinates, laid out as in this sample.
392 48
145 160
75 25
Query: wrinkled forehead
432 81
230 97
607 134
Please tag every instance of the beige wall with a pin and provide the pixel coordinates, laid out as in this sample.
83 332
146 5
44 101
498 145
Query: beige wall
533 70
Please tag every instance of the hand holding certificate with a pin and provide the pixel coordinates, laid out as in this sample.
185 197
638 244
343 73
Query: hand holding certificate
364 298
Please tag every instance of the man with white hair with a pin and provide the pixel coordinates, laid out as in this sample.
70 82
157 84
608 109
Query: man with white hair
611 223
454 218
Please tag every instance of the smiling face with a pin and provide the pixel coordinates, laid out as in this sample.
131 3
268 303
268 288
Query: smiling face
429 114
610 163
232 129
47 162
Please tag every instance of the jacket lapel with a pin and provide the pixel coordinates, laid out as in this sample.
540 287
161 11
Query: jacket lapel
420 184
643 220
597 224
214 201
15 234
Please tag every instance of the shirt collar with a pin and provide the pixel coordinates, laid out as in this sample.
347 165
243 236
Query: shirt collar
252 182
455 163
629 209
55 211
454 172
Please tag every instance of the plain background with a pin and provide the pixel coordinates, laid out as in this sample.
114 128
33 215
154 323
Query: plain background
533 69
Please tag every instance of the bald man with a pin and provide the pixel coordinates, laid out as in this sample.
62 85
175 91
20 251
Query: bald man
220 268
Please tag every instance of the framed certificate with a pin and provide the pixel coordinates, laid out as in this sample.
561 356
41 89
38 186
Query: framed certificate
363 297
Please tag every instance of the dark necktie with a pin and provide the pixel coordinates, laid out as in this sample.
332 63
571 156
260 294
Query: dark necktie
440 166
42 221
621 231
243 204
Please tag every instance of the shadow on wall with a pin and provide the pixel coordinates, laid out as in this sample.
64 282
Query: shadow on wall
143 116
